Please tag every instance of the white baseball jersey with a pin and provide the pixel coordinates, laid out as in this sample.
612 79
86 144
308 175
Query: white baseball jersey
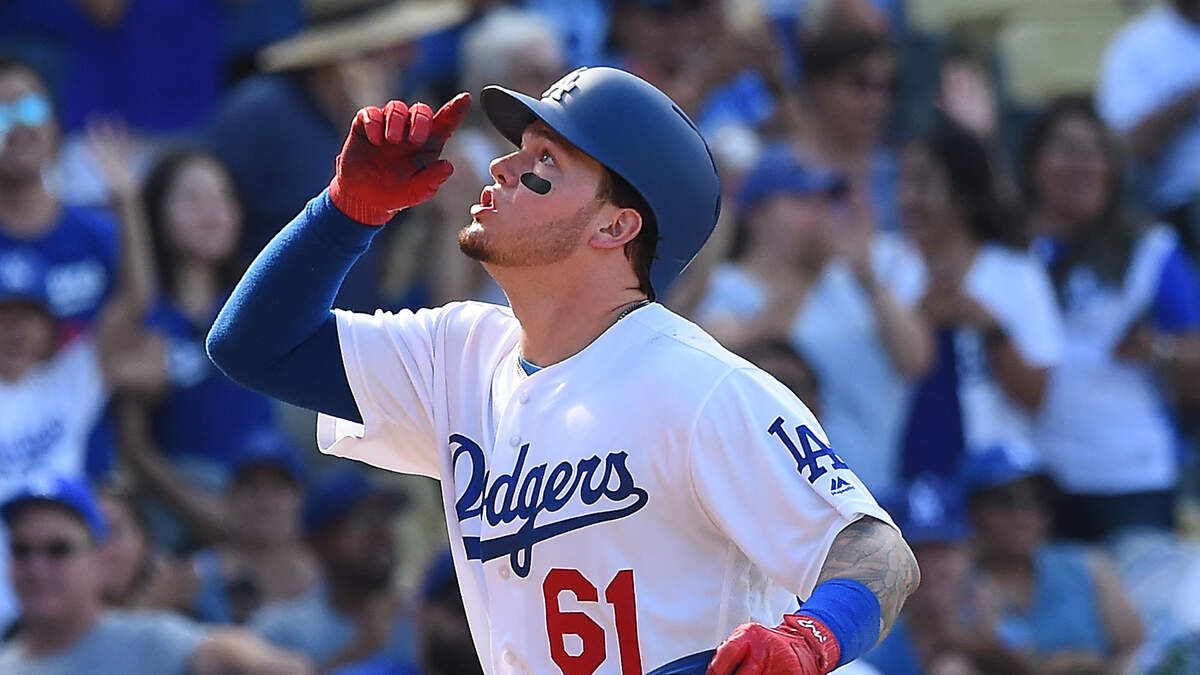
613 512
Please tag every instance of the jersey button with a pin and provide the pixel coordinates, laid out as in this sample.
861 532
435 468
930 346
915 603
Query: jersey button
524 398
505 573
514 441
508 656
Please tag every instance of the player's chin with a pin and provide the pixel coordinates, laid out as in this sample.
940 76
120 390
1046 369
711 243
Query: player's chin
472 241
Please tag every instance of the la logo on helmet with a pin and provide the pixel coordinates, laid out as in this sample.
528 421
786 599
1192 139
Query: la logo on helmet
563 86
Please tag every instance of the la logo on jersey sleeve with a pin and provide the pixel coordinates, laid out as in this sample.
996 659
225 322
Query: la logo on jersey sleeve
810 452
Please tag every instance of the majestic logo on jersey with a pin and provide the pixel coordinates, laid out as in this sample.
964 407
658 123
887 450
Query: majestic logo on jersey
527 493
809 453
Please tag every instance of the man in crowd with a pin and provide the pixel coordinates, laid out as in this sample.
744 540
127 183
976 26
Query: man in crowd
354 616
55 526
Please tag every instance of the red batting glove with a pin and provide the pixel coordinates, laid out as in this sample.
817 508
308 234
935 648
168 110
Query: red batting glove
800 645
390 159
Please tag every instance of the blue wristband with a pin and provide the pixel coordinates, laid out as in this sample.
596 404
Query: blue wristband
850 611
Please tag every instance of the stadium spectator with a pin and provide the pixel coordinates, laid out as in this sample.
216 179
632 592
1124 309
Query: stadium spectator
79 245
50 397
989 302
167 435
277 131
1131 314
838 292
1057 601
1148 92
353 616
263 561
56 528
129 561
195 220
947 624
850 78
444 644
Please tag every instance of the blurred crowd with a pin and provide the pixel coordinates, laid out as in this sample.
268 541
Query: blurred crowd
990 302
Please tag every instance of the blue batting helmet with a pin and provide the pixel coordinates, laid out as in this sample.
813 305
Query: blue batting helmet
639 133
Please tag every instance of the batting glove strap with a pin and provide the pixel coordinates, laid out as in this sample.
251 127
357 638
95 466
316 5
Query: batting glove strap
817 637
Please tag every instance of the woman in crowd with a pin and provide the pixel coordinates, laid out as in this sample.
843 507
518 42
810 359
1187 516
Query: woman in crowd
1132 316
988 301
837 291
171 441
1060 602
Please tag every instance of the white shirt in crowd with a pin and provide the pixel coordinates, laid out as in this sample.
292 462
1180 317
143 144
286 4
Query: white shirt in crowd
1104 427
1150 64
863 398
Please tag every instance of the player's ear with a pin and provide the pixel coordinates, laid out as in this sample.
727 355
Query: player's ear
622 226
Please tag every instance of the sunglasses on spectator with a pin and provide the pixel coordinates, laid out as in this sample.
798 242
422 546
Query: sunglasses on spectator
31 110
55 550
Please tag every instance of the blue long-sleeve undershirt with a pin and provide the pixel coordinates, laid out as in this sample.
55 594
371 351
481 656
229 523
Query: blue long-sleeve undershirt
277 333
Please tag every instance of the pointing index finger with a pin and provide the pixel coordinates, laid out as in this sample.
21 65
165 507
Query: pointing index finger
447 119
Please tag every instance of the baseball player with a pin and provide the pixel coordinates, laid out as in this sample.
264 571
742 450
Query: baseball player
623 495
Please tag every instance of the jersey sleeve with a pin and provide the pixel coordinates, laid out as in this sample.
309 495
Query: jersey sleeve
389 362
767 477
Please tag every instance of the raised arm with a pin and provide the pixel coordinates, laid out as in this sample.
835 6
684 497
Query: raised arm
277 333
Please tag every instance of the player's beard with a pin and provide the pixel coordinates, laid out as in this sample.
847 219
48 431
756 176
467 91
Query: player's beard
545 245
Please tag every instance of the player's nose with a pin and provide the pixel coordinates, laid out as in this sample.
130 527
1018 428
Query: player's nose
502 170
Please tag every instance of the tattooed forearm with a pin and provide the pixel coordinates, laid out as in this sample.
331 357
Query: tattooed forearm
873 553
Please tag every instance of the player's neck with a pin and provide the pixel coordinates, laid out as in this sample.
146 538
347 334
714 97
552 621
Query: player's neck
560 318
26 207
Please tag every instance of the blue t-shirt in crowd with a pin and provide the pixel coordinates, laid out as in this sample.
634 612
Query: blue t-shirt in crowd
311 626
81 253
204 413
1064 615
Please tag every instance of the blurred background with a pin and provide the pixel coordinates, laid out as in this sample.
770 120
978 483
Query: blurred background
964 232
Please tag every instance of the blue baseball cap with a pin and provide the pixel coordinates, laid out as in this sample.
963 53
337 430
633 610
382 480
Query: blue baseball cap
334 497
929 509
23 278
73 494
780 170
265 446
998 465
